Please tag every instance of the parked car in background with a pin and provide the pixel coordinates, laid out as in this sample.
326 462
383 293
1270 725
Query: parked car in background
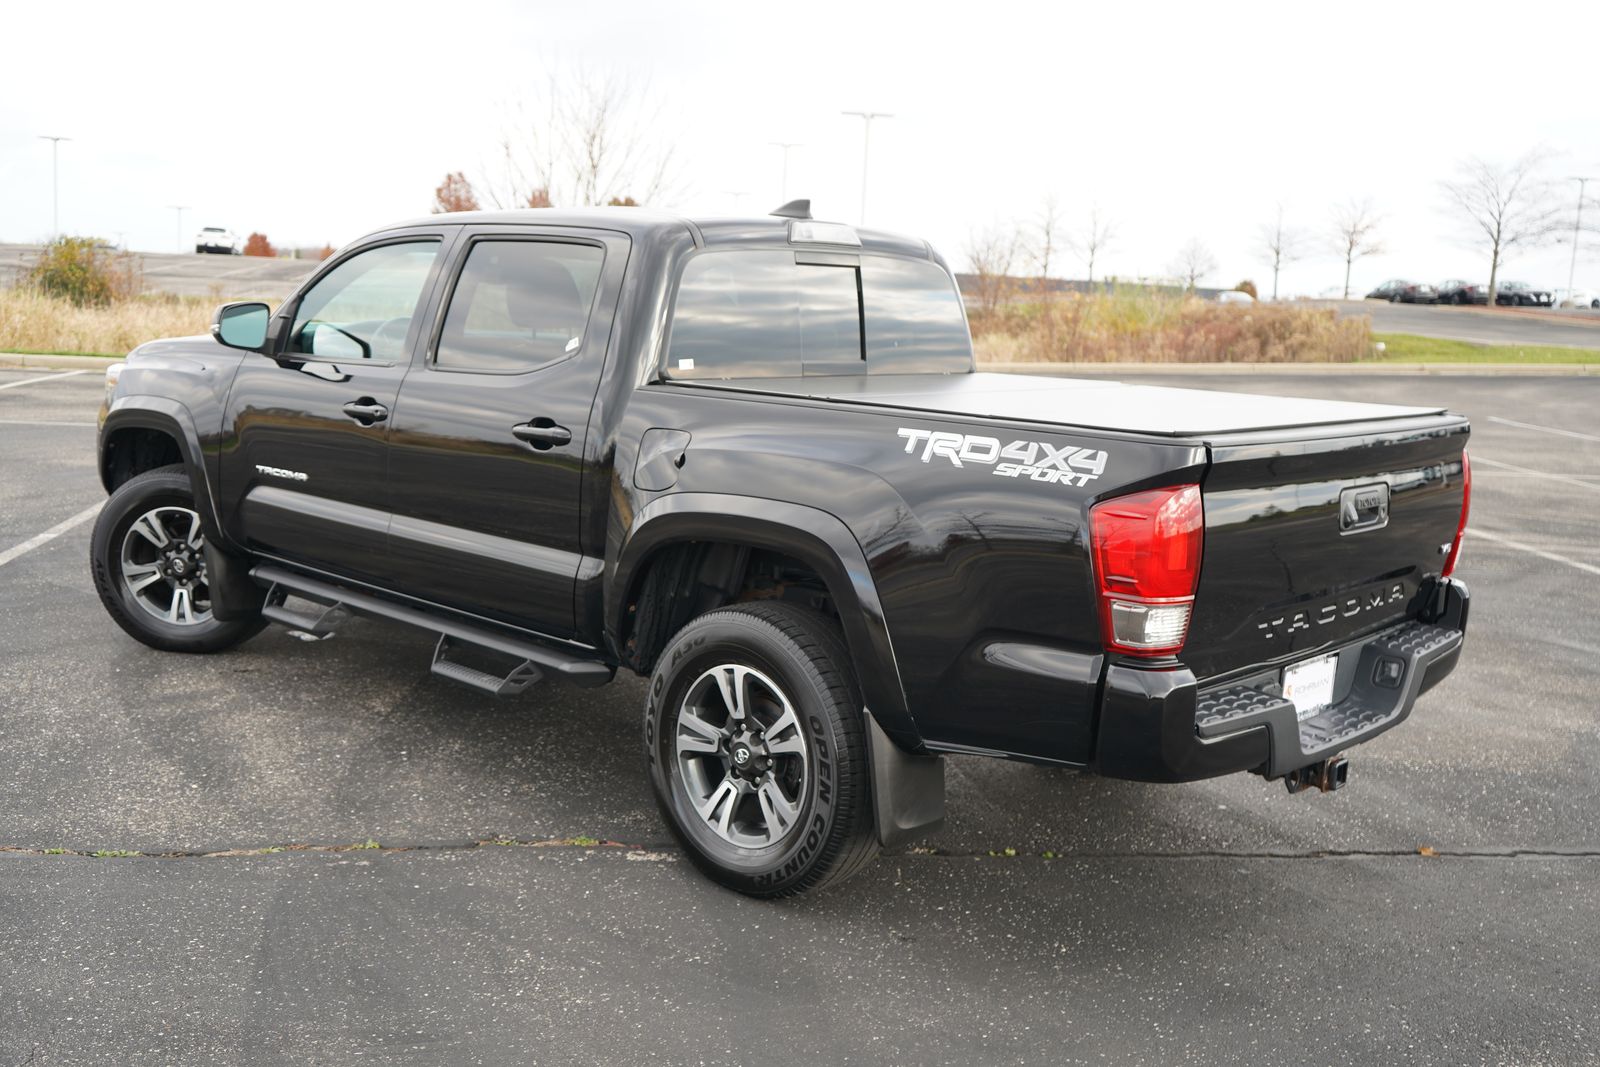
1576 298
1456 291
216 239
1235 296
1405 292
1521 294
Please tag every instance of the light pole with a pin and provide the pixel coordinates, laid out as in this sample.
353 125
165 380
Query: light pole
55 182
1577 229
180 209
866 118
785 145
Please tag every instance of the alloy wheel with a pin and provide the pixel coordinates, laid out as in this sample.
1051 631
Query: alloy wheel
164 568
741 755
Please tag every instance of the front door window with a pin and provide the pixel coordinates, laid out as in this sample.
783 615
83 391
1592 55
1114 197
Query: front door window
363 308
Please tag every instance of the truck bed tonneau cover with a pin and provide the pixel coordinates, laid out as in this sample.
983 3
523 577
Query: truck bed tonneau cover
1078 402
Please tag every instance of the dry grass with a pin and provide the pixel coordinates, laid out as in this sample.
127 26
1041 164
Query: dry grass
1121 326
31 321
1145 326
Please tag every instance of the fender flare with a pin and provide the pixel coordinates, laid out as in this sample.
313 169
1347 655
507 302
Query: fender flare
173 419
814 537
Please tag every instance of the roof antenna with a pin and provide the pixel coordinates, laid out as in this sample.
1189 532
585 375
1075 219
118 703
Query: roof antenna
794 209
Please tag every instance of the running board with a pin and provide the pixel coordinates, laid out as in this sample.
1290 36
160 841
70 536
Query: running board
517 680
586 671
312 627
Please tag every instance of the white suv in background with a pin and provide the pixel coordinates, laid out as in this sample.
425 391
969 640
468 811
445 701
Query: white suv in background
216 239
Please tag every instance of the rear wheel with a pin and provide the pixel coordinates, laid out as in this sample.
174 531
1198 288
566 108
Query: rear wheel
147 556
754 734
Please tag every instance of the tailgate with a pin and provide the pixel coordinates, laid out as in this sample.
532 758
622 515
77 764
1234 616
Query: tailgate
1314 541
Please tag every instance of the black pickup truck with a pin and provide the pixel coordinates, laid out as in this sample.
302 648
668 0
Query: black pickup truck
751 460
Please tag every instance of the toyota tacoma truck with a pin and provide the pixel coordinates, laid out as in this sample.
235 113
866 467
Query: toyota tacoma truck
752 461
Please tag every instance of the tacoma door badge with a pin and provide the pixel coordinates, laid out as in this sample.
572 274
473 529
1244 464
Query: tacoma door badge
280 472
1363 508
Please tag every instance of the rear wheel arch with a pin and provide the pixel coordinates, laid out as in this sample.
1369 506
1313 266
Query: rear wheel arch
689 553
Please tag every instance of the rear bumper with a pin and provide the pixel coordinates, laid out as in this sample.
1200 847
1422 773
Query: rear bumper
1160 726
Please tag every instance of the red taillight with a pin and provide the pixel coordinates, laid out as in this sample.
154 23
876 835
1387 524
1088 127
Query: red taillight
1466 506
1147 560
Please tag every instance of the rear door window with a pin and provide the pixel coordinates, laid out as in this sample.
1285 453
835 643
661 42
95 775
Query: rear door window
519 305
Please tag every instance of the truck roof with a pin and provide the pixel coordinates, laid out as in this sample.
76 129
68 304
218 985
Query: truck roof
640 222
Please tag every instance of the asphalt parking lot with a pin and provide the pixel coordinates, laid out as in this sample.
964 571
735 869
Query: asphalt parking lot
1482 326
1222 921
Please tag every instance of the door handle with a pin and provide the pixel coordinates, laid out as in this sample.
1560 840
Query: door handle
541 433
366 411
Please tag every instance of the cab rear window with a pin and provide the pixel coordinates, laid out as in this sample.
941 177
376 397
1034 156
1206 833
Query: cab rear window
782 314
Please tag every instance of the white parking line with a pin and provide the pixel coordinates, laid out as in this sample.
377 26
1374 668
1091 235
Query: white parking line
1476 459
49 535
44 378
1544 429
1588 568
40 422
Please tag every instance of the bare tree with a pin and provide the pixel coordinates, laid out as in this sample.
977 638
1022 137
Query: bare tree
1194 262
991 253
1046 240
585 139
1095 237
1355 227
1508 207
1282 245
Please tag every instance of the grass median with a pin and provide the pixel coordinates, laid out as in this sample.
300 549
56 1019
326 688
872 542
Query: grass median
1409 348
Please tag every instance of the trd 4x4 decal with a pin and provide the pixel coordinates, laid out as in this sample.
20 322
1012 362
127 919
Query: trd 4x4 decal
1034 460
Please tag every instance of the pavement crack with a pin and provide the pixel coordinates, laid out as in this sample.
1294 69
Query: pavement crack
1420 852
369 845
657 850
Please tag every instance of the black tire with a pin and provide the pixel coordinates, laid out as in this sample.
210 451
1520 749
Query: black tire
802 652
167 487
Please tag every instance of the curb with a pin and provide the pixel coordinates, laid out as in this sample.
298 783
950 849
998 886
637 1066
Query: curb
19 359
1458 369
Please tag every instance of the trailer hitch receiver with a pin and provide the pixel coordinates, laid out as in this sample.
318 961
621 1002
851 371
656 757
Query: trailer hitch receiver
1328 775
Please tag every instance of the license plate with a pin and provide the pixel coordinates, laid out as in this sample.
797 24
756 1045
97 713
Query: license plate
1309 685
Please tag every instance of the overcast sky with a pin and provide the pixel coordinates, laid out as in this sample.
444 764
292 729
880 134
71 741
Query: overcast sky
317 122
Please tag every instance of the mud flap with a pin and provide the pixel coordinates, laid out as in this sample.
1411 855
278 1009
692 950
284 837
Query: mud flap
234 595
907 789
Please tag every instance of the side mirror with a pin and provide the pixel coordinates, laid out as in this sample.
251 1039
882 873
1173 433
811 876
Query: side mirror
242 325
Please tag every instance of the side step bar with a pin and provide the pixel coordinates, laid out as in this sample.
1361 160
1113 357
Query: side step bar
533 657
517 680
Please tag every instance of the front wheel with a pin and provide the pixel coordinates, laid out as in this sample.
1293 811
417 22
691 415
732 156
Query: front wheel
147 556
754 735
